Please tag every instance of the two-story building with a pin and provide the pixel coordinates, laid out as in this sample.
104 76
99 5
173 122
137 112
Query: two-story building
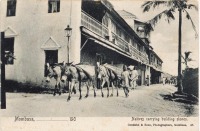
156 67
111 38
34 33
143 30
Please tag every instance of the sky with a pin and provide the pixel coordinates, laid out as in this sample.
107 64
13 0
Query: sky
164 38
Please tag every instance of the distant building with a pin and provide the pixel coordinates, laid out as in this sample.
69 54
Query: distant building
143 30
156 67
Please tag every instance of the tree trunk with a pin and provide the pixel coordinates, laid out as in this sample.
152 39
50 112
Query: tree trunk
180 87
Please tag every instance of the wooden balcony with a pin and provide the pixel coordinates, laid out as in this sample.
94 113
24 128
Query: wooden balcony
120 42
144 57
93 25
99 29
134 51
159 67
138 54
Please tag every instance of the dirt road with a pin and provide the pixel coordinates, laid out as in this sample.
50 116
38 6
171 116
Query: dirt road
144 101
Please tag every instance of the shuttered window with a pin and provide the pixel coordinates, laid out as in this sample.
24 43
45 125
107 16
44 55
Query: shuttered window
53 6
11 7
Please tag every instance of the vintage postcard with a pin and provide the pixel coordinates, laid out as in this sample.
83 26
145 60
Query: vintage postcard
99 65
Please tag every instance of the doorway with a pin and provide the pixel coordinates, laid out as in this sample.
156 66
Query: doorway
51 57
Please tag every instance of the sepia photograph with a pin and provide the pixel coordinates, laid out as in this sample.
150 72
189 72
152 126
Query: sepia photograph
99 58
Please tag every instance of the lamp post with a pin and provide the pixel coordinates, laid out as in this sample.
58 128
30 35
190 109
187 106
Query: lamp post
2 64
68 32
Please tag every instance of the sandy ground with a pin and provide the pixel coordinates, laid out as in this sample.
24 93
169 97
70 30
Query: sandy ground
144 101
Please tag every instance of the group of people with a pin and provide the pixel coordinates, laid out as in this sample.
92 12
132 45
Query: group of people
129 78
166 80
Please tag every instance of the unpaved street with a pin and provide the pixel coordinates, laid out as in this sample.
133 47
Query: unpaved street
144 101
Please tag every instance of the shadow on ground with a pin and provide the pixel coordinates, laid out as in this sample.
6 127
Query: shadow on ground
182 98
13 86
188 101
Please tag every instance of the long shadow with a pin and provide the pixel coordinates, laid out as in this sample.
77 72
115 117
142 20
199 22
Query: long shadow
190 110
13 86
182 98
186 103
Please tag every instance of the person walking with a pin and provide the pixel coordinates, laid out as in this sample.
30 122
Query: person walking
147 81
125 80
163 79
98 80
133 76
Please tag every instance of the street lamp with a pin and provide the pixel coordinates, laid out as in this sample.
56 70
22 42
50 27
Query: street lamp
68 32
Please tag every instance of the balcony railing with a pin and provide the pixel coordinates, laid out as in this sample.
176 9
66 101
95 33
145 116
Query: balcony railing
143 57
93 25
134 51
156 65
96 27
120 42
138 54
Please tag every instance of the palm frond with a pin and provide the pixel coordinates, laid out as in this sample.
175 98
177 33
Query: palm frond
158 3
146 6
183 57
146 3
180 4
190 6
171 3
148 28
190 59
189 18
153 4
167 13
187 53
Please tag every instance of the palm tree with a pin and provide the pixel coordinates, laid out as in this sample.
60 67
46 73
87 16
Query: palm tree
187 59
172 7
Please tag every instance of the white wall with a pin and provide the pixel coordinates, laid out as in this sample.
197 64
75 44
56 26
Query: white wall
34 26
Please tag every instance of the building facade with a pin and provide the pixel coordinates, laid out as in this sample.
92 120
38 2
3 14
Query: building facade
117 43
34 34
143 30
156 67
